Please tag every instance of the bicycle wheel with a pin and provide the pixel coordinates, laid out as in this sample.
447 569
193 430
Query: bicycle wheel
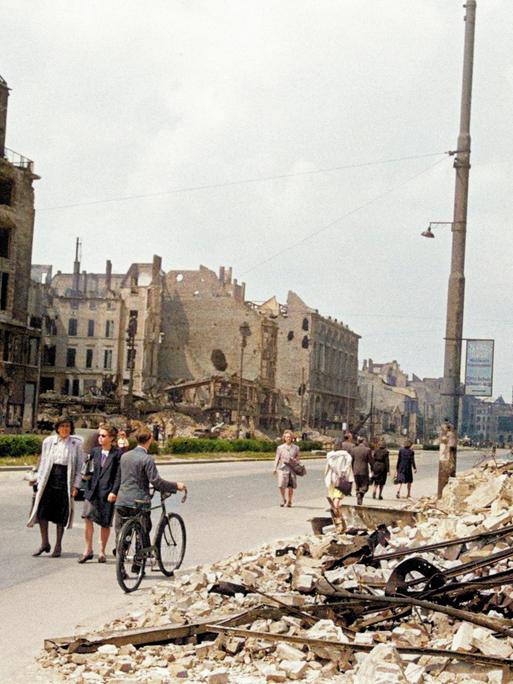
170 542
130 560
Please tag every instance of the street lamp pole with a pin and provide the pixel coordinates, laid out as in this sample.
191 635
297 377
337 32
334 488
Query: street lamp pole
245 332
456 290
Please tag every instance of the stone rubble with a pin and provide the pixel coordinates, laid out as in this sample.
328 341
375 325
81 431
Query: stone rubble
474 502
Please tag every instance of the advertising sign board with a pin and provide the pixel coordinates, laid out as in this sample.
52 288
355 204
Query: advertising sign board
479 368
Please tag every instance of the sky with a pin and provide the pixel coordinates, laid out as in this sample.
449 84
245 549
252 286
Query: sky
301 142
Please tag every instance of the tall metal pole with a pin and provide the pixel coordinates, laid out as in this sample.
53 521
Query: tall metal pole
456 290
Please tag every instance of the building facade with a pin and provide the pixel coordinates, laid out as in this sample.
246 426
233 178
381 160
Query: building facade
101 331
19 331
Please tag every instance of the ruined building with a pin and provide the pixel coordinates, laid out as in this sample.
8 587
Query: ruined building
317 367
19 332
101 331
207 326
196 336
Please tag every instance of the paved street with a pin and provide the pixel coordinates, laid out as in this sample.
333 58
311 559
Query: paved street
231 507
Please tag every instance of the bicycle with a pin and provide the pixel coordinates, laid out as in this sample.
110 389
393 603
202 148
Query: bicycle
134 548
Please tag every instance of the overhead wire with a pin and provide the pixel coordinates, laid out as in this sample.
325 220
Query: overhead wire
333 223
244 181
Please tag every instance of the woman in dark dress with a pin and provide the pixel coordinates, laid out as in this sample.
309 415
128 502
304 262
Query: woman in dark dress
101 490
380 465
405 466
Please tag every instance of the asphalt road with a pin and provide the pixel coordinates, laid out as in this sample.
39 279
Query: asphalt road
231 507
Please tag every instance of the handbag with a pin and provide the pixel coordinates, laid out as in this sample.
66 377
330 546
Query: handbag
298 468
344 485
87 468
396 480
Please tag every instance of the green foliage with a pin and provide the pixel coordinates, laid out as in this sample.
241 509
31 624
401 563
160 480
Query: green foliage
188 445
430 447
309 445
20 445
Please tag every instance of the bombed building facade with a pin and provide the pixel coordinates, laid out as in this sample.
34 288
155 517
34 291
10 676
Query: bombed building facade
196 336
101 331
19 331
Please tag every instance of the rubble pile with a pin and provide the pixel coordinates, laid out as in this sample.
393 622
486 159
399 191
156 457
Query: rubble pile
431 602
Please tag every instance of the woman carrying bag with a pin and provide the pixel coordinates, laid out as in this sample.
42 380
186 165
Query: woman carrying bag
338 478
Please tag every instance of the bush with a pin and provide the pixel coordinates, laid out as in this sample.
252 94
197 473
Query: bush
430 447
188 445
20 445
309 445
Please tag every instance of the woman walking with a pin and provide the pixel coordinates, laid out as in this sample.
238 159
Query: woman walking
101 491
380 466
58 480
338 466
287 457
405 466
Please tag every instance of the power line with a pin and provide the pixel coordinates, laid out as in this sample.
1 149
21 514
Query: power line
245 181
341 218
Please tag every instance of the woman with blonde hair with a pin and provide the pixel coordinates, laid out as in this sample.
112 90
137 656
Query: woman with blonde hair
287 459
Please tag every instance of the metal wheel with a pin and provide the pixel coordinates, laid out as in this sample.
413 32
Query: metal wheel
130 560
170 541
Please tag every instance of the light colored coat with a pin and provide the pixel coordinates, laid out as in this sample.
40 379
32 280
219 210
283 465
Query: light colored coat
338 464
76 458
286 453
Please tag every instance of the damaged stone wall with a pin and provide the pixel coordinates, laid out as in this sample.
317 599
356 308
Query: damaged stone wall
19 332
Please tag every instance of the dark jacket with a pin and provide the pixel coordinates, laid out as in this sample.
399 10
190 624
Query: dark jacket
361 459
405 465
104 480
137 471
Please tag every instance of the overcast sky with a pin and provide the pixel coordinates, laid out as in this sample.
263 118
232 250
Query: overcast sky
299 141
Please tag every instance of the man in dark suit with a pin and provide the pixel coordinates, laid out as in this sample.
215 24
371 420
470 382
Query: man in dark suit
137 471
361 464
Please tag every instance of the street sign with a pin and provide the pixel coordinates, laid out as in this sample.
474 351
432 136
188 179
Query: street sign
479 368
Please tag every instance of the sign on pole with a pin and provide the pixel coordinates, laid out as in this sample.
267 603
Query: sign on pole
479 368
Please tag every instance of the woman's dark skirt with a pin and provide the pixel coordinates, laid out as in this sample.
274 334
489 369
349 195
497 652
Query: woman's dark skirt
99 512
54 504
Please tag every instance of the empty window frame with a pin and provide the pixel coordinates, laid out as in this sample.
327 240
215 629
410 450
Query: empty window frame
5 236
90 328
72 327
71 357
107 359
109 328
6 191
4 286
89 358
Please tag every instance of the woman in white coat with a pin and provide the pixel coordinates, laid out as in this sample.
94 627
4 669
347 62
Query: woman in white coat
338 464
58 479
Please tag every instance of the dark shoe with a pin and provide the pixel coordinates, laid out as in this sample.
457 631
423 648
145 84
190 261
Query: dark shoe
380 497
101 558
85 557
42 549
359 500
56 553
397 496
114 552
289 505
373 495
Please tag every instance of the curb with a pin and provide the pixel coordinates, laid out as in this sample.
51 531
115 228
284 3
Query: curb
185 461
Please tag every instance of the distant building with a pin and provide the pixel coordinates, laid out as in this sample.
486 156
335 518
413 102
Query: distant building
19 331
317 366
487 420
96 326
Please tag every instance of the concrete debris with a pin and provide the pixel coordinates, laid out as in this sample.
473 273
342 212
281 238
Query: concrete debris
321 609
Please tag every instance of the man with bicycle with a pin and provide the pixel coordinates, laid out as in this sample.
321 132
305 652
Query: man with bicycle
137 471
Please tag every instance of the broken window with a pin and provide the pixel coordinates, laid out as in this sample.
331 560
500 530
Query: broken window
75 387
132 323
90 328
6 188
51 325
290 335
49 355
109 328
107 359
65 386
305 324
89 358
74 304
72 327
71 356
5 235
47 384
219 360
4 286
305 342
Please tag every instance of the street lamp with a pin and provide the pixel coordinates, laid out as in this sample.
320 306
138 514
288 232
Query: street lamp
456 288
429 233
245 332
